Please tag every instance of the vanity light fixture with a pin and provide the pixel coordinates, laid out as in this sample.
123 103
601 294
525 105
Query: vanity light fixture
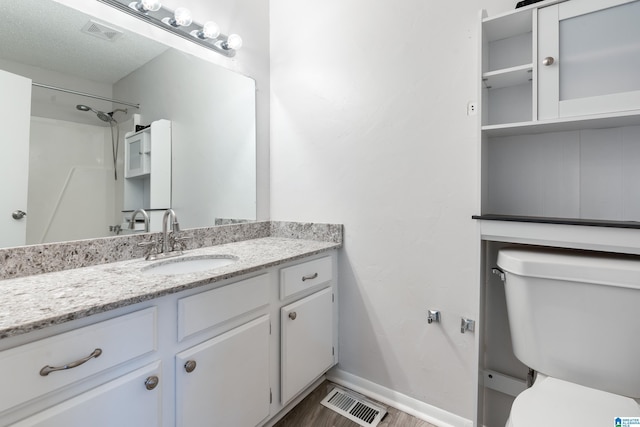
180 23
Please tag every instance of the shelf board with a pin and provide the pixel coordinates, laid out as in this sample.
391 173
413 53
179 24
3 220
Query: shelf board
506 77
577 233
565 221
596 121
513 22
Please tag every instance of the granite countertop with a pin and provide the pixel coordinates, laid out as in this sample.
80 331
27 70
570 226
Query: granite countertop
35 302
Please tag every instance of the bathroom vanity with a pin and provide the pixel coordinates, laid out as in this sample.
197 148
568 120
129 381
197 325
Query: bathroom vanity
126 344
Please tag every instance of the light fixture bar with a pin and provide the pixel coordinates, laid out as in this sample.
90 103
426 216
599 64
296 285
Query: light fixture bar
156 18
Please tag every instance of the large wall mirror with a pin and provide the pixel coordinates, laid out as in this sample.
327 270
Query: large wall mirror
63 165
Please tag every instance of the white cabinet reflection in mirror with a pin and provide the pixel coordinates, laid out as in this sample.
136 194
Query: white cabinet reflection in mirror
147 183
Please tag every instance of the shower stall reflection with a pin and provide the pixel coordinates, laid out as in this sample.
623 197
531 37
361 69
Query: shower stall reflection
74 167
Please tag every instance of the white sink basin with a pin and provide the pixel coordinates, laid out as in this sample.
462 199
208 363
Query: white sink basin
192 264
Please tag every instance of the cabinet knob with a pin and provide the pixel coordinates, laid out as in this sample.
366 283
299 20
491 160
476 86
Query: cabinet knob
293 315
548 61
151 382
190 366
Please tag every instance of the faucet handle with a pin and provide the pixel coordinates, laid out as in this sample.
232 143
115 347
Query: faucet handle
148 247
179 240
146 244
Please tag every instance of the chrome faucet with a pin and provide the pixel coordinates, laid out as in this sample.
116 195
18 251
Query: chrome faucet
169 215
132 220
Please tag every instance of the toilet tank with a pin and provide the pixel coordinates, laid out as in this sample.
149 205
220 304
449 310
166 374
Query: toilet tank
575 315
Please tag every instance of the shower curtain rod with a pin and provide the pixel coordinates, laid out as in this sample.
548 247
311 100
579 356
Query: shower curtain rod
74 92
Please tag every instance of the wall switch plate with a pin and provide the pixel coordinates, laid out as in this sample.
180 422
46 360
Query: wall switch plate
472 108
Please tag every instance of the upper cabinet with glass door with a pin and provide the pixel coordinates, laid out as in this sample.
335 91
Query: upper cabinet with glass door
589 58
559 65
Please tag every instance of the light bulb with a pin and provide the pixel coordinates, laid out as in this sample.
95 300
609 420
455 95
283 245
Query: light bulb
210 30
234 41
145 6
182 17
151 5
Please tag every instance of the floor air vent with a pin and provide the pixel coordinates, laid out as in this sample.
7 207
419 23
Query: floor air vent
355 408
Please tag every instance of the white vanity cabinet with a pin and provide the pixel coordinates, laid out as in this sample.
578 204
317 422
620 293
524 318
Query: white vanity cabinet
307 341
225 380
234 352
61 363
131 400
307 325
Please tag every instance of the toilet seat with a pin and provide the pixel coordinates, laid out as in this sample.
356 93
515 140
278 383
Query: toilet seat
553 402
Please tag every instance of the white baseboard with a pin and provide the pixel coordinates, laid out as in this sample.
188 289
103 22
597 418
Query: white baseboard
404 403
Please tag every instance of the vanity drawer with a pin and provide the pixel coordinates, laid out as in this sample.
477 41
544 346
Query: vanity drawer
211 308
305 276
118 340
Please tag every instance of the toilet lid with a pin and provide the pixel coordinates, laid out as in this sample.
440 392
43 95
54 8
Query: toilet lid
553 402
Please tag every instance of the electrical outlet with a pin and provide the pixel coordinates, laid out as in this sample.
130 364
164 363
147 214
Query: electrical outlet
472 108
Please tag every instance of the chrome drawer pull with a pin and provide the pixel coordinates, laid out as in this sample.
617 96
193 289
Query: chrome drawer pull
310 277
48 369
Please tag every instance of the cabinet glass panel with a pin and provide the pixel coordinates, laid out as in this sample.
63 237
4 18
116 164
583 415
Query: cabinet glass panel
135 155
600 52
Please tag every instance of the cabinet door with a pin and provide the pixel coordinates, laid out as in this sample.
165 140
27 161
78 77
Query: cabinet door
307 341
131 400
588 58
228 382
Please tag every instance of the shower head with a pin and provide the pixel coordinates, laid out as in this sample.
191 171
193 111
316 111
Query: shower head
105 117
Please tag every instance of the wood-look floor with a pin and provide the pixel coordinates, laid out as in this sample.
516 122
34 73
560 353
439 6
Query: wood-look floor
310 413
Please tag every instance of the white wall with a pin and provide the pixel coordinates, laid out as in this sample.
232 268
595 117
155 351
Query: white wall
60 105
369 129
71 185
213 133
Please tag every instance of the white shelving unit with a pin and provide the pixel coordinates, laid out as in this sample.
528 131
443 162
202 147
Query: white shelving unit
556 170
151 191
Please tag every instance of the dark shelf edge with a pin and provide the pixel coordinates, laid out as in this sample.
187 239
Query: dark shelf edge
563 221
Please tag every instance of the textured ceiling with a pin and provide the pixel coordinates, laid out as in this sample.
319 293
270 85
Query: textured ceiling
48 35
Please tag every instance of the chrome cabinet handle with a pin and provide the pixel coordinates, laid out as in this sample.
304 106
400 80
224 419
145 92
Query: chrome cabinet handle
293 315
190 366
151 382
549 60
48 369
309 277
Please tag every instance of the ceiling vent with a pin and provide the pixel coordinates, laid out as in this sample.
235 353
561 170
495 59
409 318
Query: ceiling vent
101 31
354 408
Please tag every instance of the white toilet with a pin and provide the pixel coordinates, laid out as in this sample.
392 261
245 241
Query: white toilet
574 318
